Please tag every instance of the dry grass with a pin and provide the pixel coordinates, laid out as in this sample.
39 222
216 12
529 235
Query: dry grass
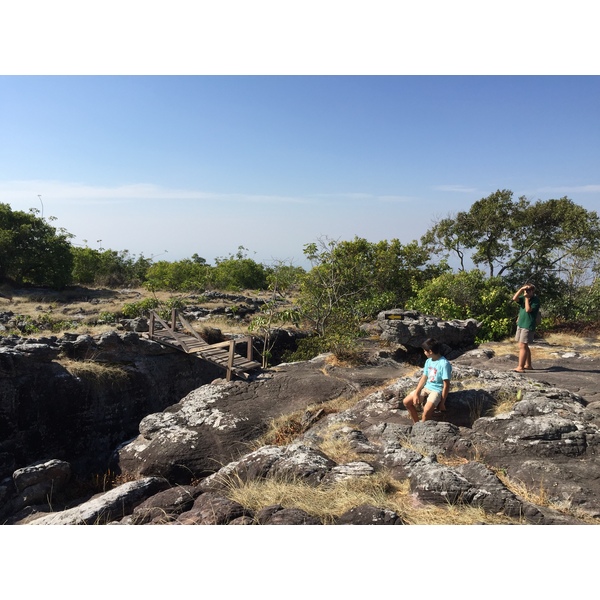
506 399
540 497
327 503
101 373
285 429
337 446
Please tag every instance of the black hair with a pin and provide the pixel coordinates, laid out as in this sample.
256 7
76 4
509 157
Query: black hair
433 345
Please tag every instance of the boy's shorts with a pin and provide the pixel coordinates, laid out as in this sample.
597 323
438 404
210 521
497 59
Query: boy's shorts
430 396
524 336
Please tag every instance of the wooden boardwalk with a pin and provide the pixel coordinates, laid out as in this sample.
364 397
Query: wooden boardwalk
181 335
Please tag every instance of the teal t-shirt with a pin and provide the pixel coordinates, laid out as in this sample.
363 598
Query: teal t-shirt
436 371
526 319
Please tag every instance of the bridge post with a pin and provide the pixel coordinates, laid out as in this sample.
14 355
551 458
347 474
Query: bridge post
230 360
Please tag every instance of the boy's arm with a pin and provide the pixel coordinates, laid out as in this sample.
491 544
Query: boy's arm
445 388
421 383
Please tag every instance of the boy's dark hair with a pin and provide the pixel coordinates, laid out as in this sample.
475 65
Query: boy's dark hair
433 345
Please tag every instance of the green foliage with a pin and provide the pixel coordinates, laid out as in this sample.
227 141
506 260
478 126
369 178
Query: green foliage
182 276
132 310
142 308
32 251
469 294
107 317
343 344
352 281
236 273
270 316
109 268
517 239
282 277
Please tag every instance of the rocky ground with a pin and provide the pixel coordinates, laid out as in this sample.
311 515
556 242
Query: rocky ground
535 461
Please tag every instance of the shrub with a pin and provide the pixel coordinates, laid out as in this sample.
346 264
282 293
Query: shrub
469 294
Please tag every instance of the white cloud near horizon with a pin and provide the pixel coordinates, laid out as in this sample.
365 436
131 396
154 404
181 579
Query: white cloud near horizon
17 191
66 191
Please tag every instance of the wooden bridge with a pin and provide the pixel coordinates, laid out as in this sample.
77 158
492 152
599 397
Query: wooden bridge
181 335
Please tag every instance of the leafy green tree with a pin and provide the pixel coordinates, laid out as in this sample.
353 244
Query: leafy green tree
86 265
32 251
351 281
486 230
517 239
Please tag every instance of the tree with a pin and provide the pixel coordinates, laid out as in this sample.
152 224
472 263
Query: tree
32 251
487 229
282 277
108 267
519 240
353 280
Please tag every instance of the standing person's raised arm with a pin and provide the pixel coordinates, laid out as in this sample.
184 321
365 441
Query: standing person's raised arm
519 292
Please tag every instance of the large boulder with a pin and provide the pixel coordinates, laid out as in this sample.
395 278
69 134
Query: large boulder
215 423
411 328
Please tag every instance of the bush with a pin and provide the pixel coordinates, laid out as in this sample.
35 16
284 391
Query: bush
108 267
466 295
181 276
237 273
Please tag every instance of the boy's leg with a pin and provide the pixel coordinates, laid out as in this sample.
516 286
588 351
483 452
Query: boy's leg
527 364
409 403
433 400
523 349
428 411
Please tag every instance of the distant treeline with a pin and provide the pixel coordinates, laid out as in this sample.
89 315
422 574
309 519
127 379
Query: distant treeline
553 244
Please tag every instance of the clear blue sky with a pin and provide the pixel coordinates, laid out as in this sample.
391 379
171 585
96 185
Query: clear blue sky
203 164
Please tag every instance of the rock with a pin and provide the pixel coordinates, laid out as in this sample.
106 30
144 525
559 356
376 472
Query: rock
278 515
212 424
110 506
165 506
81 411
212 509
369 515
535 461
411 328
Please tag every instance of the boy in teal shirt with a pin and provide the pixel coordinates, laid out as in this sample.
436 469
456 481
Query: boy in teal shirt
434 385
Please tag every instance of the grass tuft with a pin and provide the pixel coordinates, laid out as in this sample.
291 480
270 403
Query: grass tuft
100 373
327 503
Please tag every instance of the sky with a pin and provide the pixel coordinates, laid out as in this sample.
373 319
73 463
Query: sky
196 127
169 166
176 162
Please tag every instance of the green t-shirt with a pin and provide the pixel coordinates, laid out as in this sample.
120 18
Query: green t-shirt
527 319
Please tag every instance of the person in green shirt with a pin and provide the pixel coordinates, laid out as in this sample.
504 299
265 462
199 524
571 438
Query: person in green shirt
529 306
